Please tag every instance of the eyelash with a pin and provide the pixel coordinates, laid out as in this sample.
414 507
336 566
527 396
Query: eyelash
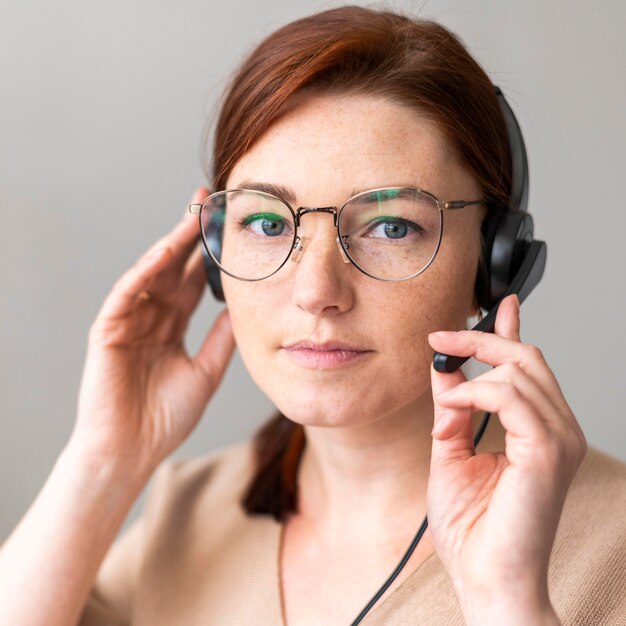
243 223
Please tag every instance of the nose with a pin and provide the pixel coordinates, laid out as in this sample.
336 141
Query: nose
322 282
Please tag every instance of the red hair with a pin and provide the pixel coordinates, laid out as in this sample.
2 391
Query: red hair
351 49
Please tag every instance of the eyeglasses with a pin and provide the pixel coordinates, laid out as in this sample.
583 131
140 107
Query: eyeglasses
388 233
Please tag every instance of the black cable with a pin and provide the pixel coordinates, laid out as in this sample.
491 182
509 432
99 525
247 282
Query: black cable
418 536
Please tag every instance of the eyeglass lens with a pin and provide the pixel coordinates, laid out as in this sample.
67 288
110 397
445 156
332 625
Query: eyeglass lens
390 234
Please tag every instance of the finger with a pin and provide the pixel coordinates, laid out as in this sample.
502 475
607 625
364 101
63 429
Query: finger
188 231
183 240
452 432
562 421
496 350
217 349
182 237
193 284
123 297
546 408
507 318
518 416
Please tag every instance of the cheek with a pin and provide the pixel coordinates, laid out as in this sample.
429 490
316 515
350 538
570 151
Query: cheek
259 325
251 320
396 316
438 299
451 279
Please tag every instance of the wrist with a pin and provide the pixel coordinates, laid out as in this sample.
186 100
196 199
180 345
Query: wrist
125 470
512 609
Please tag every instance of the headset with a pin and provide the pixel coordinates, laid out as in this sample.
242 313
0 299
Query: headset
514 261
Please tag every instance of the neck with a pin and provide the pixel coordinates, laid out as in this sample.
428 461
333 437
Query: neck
373 476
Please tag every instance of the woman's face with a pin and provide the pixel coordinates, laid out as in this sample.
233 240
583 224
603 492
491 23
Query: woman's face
321 150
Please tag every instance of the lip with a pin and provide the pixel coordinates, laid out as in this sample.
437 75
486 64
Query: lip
325 355
323 346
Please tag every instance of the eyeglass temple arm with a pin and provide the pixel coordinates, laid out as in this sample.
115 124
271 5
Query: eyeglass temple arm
457 204
525 280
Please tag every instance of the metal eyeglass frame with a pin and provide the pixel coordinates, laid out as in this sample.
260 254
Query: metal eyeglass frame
336 213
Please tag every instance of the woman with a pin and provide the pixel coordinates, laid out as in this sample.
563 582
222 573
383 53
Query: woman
303 527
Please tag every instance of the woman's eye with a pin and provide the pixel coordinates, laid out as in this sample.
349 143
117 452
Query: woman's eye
264 224
393 228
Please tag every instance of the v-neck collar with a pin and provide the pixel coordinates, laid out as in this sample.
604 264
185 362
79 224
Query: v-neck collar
423 573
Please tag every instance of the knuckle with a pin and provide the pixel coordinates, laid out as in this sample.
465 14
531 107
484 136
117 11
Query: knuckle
563 451
94 333
510 391
534 354
506 394
575 452
512 371
551 451
582 444
576 437
478 337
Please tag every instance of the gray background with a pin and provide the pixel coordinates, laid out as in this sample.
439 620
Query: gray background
101 112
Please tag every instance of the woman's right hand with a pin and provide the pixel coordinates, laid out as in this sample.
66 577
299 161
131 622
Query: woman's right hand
141 394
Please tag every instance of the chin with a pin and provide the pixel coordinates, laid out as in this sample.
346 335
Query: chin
325 420
342 397
309 406
340 409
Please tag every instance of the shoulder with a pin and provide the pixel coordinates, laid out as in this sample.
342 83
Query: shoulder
598 463
201 548
588 563
223 468
182 489
593 522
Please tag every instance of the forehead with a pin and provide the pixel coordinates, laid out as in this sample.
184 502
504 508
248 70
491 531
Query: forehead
327 145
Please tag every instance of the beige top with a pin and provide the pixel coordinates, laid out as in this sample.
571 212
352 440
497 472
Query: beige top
195 559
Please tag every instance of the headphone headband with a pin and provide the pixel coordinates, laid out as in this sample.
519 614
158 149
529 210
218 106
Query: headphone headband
519 161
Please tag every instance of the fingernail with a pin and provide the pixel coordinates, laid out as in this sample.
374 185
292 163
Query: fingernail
443 334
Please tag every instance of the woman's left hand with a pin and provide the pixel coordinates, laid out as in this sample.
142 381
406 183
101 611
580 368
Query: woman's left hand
493 516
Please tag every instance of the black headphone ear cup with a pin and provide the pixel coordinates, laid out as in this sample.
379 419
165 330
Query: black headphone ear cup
506 235
213 274
483 274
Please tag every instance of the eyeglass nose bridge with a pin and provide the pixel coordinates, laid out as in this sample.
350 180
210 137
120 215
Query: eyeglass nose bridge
323 209
300 242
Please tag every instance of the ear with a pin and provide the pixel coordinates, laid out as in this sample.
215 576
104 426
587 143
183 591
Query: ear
473 314
475 306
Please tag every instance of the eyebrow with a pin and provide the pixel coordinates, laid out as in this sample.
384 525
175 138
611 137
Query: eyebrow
287 194
277 190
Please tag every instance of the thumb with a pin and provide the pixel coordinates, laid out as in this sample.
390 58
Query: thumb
507 318
452 432
216 350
